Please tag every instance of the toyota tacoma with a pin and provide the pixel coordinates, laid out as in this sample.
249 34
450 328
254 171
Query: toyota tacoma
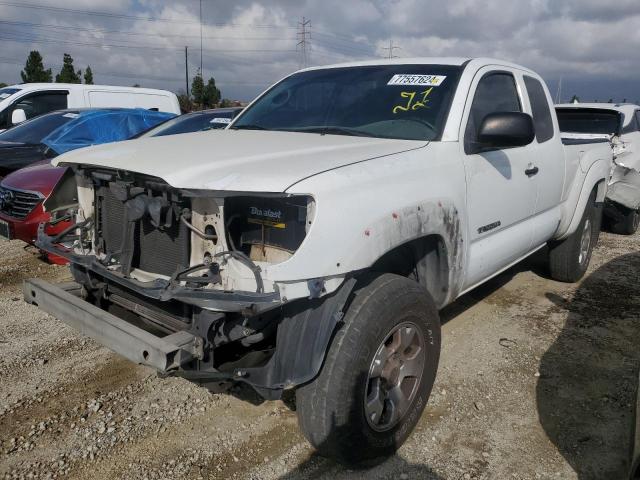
309 246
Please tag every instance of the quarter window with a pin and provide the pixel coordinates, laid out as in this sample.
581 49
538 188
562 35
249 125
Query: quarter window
496 92
540 109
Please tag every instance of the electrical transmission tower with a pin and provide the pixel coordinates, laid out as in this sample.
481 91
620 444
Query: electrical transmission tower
304 41
391 48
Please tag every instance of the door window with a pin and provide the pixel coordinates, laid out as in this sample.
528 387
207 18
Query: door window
42 102
496 92
540 109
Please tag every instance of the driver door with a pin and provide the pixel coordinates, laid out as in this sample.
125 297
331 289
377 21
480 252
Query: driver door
500 196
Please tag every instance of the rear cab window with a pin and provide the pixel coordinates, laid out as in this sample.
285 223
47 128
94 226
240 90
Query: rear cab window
542 120
589 120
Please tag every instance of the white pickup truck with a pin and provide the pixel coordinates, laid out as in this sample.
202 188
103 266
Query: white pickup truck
619 123
310 245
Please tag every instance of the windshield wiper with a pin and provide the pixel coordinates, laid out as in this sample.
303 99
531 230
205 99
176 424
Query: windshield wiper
247 127
335 131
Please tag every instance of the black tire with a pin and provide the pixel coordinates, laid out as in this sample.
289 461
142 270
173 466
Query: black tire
568 259
626 221
331 408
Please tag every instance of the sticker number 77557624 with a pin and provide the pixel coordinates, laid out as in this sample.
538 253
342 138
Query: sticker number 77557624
412 102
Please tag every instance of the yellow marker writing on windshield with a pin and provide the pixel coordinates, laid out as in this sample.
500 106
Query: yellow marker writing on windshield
411 105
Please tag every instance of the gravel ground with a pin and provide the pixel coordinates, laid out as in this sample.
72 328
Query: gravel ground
536 380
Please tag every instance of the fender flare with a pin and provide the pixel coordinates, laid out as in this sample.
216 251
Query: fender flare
596 176
302 341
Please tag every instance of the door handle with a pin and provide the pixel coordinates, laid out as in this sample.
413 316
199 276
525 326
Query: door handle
531 171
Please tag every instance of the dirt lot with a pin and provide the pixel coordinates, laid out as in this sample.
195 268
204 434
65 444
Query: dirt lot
536 380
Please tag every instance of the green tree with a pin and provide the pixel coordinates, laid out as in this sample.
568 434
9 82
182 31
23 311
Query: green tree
185 102
197 90
34 69
88 76
211 93
68 74
575 99
2 84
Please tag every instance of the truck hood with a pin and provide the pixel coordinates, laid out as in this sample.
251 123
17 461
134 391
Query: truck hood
237 160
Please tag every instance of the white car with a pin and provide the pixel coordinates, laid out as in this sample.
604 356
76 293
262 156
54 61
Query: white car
27 100
310 245
621 124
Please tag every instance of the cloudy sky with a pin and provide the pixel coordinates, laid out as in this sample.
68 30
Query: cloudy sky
593 45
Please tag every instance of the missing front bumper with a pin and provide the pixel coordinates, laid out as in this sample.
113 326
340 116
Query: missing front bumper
161 289
165 354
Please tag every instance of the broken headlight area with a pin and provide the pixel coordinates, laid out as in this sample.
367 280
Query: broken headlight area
267 229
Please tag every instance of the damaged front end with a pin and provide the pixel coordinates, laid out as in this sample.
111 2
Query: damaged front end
174 279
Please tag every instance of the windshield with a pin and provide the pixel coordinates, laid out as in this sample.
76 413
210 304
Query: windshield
33 131
191 122
588 120
7 92
408 102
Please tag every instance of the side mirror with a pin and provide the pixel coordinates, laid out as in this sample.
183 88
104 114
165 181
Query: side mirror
18 116
505 130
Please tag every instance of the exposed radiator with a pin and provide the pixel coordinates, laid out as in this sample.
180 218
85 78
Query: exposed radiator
156 250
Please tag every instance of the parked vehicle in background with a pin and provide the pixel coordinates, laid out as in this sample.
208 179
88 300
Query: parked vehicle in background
27 100
212 119
22 145
310 245
620 123
22 192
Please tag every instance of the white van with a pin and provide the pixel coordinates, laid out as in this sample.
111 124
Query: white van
21 102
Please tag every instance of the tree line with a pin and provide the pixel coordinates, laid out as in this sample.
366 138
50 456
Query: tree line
34 71
202 95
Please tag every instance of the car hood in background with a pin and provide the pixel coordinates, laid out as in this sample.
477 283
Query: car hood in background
38 177
237 160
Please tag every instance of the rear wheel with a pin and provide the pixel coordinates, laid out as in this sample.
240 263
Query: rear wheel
569 258
378 373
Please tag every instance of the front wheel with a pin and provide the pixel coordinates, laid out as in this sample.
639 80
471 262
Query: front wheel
378 373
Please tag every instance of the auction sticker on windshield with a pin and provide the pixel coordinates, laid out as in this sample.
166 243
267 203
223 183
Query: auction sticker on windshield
220 120
416 79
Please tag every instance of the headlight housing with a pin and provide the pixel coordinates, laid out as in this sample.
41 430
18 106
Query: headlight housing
268 229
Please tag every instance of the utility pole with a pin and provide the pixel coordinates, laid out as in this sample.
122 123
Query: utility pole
391 48
304 36
559 93
201 71
186 70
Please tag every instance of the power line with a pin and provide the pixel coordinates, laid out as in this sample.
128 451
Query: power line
33 39
304 35
143 34
15 61
128 17
341 38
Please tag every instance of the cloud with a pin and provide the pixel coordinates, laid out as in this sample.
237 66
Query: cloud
249 44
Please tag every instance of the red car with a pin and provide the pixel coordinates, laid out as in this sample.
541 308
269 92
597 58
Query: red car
22 192
21 197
